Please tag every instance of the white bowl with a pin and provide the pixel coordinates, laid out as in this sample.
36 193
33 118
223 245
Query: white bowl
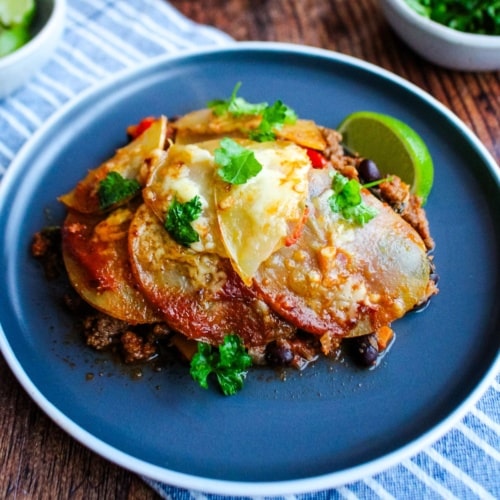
16 68
442 45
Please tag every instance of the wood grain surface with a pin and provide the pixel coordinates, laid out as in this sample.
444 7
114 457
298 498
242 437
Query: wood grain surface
39 461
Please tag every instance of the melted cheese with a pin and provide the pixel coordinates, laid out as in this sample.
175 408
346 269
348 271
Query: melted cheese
187 171
246 222
256 217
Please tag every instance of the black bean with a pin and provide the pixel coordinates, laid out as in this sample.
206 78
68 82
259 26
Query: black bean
364 349
368 171
278 354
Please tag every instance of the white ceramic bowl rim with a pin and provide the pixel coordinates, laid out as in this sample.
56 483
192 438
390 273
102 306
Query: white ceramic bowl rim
443 31
55 18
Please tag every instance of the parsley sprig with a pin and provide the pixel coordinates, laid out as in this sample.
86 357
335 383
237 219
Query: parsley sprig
179 218
114 189
273 116
347 200
472 16
229 362
236 106
236 163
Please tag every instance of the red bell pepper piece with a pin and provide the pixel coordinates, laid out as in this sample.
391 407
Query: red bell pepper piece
136 130
317 158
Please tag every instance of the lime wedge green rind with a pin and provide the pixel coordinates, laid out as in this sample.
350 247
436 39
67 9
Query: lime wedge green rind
393 145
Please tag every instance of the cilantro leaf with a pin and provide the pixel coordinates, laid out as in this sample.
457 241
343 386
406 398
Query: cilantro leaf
273 118
202 363
278 114
114 189
237 164
229 362
179 218
346 200
472 16
236 106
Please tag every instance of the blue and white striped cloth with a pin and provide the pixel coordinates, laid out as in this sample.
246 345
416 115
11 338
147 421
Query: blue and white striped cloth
101 38
104 37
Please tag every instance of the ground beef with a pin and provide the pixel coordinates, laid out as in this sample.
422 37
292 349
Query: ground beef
135 343
102 331
415 215
334 152
46 248
135 348
397 194
160 331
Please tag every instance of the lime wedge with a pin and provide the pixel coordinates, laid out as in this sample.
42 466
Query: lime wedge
16 12
394 146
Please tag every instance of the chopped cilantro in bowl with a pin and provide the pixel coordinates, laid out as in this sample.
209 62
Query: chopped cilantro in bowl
15 21
28 38
480 17
457 35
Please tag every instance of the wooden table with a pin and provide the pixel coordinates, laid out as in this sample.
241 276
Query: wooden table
38 459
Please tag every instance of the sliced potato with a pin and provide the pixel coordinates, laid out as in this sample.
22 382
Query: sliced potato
304 133
203 125
95 252
183 173
255 218
131 162
198 294
245 222
343 279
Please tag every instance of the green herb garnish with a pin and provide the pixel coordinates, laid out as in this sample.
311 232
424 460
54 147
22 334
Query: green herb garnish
273 118
237 164
236 106
229 362
346 199
114 189
179 218
471 16
16 17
